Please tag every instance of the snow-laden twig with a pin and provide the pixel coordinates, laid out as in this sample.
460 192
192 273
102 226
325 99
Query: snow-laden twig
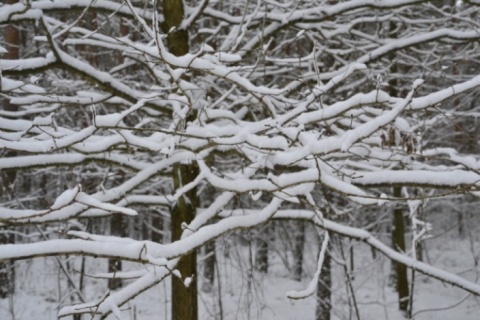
66 198
307 292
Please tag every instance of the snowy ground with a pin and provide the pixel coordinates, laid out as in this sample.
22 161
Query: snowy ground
41 288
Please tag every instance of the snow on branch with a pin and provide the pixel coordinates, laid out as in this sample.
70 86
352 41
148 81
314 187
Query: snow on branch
440 179
272 104
310 290
365 236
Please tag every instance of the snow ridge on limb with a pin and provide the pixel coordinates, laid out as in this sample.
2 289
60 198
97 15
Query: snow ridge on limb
312 285
370 127
134 250
441 95
102 307
439 179
365 236
36 9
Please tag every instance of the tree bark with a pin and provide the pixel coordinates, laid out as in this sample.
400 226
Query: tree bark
184 299
116 229
324 285
177 40
90 22
298 251
156 227
209 267
261 252
7 268
400 279
324 303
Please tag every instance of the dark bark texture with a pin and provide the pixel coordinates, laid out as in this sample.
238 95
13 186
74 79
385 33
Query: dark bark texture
398 241
7 270
184 299
261 253
117 228
298 251
324 300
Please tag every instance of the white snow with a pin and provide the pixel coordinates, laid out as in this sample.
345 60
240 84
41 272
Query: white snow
66 198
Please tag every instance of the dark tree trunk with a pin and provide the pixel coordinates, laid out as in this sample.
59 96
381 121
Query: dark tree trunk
298 251
352 262
156 227
209 267
124 31
324 285
114 265
261 252
399 278
324 303
461 229
184 299
177 40
90 22
419 245
7 270
145 230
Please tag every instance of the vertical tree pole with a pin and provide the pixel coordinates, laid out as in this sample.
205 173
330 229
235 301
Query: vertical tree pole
117 228
324 289
209 259
398 242
7 271
177 40
184 299
399 276
209 267
324 285
298 251
261 252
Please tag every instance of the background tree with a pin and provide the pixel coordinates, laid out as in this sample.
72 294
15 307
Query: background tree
7 271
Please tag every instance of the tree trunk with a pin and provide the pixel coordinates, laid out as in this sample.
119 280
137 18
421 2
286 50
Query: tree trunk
352 262
7 270
324 285
298 251
156 227
89 52
209 267
399 278
184 299
114 265
145 230
461 229
261 253
324 303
